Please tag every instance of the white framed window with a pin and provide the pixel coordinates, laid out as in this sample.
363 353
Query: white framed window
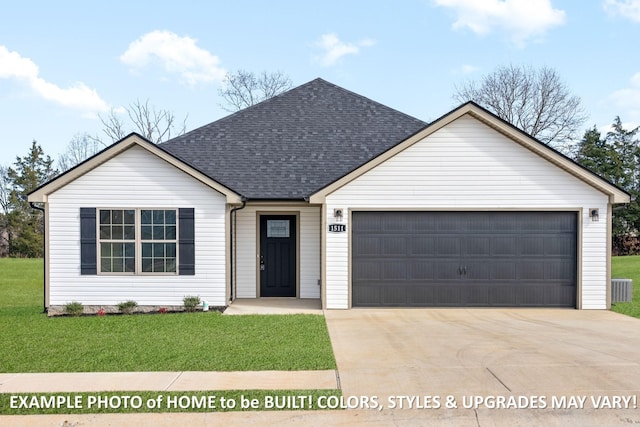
116 231
158 232
137 241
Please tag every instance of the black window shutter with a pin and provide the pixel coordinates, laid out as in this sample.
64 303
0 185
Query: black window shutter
186 242
88 249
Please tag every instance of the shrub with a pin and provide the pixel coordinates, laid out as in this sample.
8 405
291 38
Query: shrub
163 310
127 307
74 308
190 303
101 312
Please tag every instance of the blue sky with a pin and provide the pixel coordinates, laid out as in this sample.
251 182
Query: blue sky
63 63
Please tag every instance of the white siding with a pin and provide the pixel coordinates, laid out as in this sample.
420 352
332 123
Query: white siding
246 251
468 166
136 179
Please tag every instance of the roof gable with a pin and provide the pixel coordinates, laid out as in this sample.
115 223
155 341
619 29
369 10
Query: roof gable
616 195
41 193
289 146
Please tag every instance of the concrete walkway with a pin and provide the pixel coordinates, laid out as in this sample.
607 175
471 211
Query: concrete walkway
274 306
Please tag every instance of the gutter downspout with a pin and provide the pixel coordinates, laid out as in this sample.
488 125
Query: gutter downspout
232 229
44 256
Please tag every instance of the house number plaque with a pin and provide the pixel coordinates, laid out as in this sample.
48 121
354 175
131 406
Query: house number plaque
337 228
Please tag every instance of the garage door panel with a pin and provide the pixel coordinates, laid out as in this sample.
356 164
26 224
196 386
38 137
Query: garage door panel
419 296
393 270
477 246
532 245
446 246
477 270
558 271
446 270
421 270
422 245
464 259
559 245
366 270
367 246
505 270
531 270
504 245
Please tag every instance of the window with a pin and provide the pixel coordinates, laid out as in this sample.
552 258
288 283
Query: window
117 241
278 228
138 241
158 238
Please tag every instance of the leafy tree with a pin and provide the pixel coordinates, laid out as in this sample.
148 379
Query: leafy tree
596 154
616 157
534 100
25 223
243 89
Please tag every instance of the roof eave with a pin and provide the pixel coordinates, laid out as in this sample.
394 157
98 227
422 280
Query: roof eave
42 193
616 195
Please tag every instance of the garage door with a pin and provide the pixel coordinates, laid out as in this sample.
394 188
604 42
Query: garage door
424 259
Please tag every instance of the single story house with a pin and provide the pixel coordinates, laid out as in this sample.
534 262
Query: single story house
322 193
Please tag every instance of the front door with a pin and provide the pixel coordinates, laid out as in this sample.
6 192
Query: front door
277 256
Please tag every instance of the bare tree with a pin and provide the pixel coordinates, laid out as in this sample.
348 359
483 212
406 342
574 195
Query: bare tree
154 124
5 190
243 89
536 101
80 148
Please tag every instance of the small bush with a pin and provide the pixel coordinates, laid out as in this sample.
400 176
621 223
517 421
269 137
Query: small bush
74 308
127 307
190 303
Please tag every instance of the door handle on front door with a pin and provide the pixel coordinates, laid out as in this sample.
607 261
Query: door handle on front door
262 267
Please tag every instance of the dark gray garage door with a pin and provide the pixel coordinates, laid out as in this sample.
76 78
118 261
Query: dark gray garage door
423 259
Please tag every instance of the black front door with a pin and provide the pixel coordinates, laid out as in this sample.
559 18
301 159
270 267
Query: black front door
277 256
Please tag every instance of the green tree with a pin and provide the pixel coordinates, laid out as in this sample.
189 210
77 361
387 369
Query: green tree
25 223
596 154
616 157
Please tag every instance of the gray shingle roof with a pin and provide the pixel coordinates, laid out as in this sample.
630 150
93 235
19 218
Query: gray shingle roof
294 144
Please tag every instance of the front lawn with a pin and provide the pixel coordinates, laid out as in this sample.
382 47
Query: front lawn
31 342
627 267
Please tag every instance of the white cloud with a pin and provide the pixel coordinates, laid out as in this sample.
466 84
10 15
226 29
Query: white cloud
334 48
523 20
625 8
628 100
78 96
465 69
178 55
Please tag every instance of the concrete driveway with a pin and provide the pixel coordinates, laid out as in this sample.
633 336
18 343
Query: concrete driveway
484 353
474 354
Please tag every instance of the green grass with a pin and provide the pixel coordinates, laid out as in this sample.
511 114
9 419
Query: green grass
627 267
151 401
32 342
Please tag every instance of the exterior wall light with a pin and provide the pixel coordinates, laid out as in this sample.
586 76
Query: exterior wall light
594 213
337 214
